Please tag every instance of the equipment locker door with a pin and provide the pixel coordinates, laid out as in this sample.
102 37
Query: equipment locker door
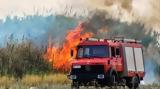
139 59
129 62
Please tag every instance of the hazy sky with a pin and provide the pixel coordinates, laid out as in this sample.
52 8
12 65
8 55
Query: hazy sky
22 8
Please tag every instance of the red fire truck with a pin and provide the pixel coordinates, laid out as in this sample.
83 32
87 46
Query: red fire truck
105 62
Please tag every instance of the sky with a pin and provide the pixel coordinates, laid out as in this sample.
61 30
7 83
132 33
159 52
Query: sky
23 8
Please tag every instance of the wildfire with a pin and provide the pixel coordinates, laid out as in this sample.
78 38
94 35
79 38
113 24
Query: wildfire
60 56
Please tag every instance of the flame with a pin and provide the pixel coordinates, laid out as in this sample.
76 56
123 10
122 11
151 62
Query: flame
60 56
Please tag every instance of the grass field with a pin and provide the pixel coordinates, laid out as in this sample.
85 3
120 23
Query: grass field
50 81
42 81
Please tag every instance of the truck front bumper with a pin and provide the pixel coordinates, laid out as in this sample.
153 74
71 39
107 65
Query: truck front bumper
86 77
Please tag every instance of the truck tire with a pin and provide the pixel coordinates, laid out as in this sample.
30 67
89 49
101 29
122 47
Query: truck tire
74 85
134 83
113 81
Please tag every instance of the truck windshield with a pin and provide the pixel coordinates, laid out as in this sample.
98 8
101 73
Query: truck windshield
93 51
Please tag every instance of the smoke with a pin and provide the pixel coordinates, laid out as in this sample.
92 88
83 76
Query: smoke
104 27
145 12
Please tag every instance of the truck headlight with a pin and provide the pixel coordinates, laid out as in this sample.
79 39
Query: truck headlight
73 77
100 76
77 66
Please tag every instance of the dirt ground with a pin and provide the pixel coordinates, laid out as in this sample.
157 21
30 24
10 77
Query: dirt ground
46 86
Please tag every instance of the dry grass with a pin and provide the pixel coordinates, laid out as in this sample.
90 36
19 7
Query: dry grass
6 81
56 79
35 80
31 80
50 81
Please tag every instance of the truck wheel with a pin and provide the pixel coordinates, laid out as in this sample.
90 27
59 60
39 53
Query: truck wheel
134 83
113 82
74 85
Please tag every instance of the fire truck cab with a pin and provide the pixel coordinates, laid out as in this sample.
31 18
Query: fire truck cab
105 62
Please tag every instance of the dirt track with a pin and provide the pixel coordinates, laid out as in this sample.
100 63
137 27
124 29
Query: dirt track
141 87
68 87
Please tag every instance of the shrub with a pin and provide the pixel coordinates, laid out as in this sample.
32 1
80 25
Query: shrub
17 59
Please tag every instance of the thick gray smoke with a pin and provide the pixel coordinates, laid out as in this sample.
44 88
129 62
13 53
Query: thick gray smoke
144 12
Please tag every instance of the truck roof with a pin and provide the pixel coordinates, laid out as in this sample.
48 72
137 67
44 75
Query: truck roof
111 42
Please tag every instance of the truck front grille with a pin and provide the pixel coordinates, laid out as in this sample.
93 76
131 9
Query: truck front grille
85 69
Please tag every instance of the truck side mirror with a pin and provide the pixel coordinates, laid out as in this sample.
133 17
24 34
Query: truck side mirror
71 53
